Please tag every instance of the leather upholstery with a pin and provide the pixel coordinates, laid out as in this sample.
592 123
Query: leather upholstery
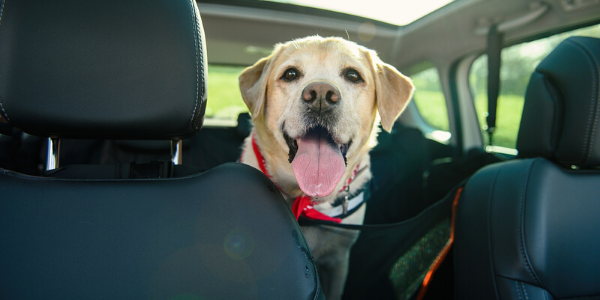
528 228
131 69
562 109
98 69
528 223
223 234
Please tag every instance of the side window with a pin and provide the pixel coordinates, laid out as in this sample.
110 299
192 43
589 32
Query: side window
224 97
429 98
225 100
518 62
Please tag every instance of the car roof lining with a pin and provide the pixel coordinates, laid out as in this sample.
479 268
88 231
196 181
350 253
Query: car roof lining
240 35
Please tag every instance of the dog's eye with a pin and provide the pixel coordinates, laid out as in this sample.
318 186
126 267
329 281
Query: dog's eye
353 76
290 74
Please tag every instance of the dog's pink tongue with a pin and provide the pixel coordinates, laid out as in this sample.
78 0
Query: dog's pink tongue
318 165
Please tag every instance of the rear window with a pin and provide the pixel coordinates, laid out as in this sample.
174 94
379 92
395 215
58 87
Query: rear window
224 97
429 98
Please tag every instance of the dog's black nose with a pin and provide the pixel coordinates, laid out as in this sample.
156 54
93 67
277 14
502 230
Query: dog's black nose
321 96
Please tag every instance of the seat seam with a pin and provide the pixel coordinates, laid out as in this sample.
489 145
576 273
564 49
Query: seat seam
1 11
595 93
589 138
200 78
524 291
521 228
518 288
195 24
2 110
545 293
489 225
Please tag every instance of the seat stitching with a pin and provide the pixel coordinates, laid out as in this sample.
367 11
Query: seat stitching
595 111
597 94
4 113
524 291
518 288
1 11
200 77
491 200
521 222
195 23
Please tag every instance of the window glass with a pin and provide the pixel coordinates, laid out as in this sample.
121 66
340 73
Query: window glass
429 98
224 97
518 63
225 100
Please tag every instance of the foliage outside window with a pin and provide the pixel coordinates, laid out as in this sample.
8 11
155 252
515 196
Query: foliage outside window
429 98
224 97
518 63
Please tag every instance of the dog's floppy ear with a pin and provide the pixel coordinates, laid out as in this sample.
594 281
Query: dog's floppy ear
253 84
392 90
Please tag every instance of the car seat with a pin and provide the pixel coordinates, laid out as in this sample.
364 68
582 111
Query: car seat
130 69
528 228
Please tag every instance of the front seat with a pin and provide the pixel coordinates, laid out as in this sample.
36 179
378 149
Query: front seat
529 228
130 69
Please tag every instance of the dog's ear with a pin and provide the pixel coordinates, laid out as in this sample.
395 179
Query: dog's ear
393 91
253 84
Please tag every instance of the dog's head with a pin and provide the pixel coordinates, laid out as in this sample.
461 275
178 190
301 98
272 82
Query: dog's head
319 98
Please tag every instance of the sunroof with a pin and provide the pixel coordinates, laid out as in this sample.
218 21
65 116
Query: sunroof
398 12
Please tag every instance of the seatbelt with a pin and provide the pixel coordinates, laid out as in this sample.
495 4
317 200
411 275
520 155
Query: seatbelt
494 50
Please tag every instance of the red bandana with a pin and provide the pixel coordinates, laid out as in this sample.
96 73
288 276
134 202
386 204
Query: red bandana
302 204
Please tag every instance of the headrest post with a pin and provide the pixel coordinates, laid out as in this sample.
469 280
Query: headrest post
53 154
176 154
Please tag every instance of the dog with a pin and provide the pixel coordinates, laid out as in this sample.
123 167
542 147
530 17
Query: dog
315 104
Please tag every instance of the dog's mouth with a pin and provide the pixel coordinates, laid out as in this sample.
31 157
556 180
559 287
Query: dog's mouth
318 161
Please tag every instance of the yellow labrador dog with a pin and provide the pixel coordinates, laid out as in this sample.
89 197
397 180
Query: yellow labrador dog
315 103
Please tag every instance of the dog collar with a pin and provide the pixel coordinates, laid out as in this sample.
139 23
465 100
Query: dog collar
303 205
343 206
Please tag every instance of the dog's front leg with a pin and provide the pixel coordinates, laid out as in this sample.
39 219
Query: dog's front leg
330 247
333 271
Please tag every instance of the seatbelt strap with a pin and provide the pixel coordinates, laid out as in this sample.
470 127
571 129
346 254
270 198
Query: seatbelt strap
494 50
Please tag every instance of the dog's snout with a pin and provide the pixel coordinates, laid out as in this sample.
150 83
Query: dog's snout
321 96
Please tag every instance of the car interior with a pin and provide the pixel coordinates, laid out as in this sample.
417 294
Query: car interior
121 125
527 227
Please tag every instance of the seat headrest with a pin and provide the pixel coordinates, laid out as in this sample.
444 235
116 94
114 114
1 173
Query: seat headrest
118 69
561 114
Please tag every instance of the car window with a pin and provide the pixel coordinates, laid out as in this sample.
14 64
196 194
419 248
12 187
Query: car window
225 102
429 98
518 62
224 97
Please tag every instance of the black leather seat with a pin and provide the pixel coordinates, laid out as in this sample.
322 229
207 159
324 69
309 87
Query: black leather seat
130 70
529 228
